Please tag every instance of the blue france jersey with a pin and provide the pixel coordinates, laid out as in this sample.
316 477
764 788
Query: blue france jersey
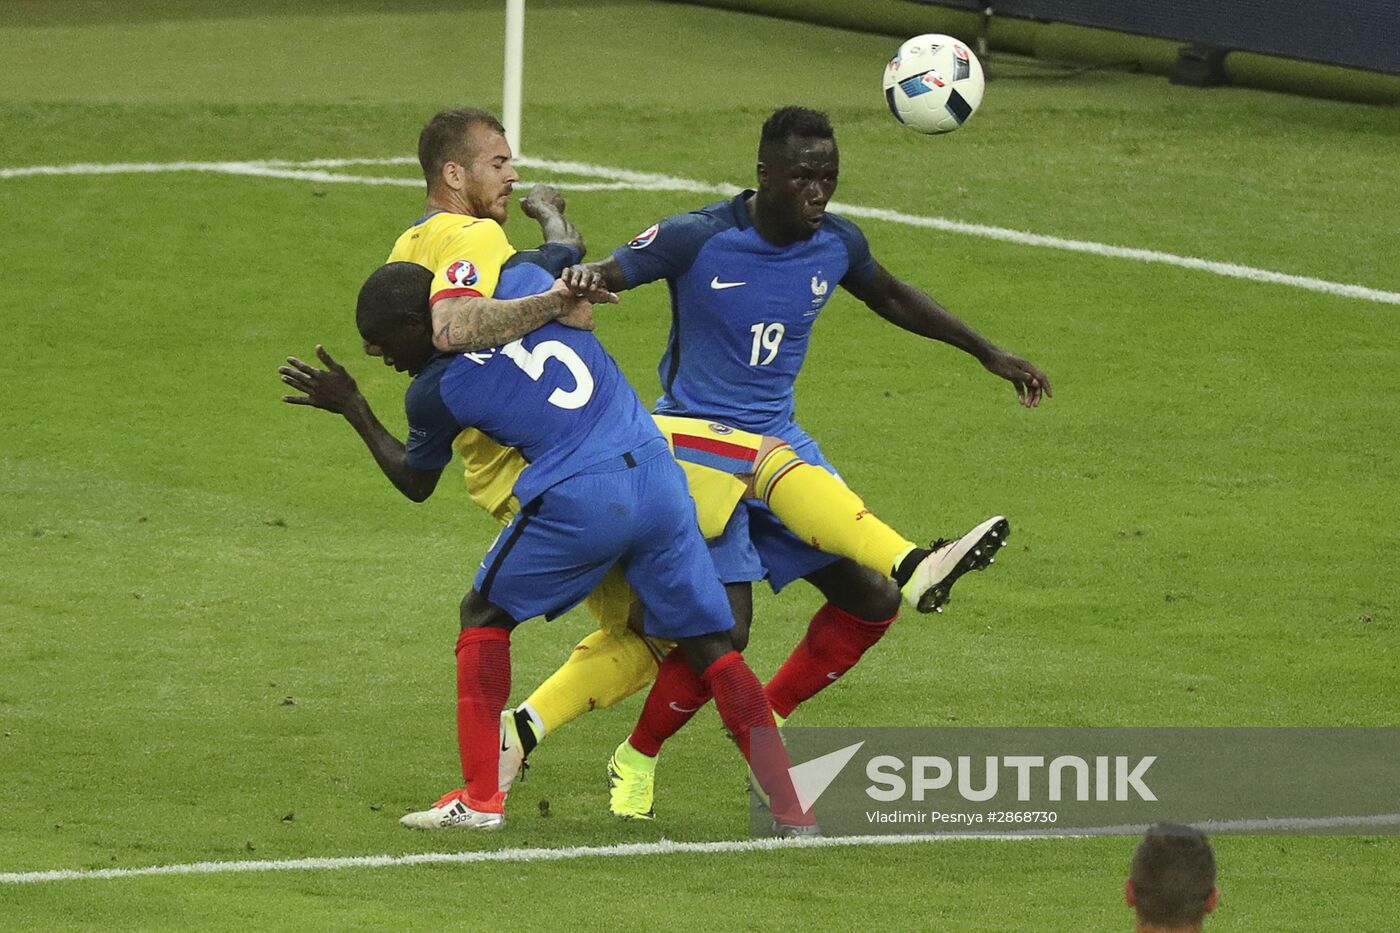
742 309
555 395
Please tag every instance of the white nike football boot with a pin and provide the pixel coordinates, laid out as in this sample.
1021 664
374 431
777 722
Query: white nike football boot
933 578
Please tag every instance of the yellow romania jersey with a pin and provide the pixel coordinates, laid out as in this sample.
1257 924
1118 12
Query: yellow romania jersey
465 255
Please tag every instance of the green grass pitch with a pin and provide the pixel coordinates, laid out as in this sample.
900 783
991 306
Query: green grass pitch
224 636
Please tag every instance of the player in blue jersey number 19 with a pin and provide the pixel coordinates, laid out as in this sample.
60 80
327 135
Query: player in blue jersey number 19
601 489
748 278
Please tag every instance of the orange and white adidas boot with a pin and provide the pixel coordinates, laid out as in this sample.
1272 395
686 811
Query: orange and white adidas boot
458 811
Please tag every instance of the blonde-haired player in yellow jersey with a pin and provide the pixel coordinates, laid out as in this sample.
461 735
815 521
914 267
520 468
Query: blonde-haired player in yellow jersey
467 166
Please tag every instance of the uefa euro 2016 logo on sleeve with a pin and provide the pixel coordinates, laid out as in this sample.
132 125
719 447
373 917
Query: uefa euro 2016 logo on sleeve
463 273
1061 781
643 239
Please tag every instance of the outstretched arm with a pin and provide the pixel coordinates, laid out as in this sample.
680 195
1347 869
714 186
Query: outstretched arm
465 323
604 275
545 204
334 390
916 311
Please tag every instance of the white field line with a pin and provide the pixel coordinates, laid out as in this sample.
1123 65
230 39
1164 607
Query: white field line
311 170
666 847
618 179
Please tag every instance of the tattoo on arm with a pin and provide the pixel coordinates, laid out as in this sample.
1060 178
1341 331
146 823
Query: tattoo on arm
461 325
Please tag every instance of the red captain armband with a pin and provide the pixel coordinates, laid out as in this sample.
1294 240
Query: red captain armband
453 293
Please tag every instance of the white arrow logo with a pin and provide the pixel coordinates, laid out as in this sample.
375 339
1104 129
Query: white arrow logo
811 778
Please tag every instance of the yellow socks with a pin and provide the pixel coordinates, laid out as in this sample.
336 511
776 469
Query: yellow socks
819 508
603 669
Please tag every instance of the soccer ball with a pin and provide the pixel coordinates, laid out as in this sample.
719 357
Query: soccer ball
934 83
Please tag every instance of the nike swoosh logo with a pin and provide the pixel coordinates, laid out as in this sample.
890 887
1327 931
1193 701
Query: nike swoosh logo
682 709
717 285
833 676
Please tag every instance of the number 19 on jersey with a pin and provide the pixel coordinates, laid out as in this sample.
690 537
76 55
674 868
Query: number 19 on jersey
766 340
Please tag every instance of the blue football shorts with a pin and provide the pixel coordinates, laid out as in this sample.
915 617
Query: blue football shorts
634 511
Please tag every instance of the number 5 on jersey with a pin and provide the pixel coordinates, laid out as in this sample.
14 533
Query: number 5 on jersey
765 337
531 362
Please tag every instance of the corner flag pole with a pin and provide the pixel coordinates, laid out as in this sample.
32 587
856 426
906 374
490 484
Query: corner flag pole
515 68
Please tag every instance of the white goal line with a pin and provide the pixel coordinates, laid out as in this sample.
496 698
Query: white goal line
619 179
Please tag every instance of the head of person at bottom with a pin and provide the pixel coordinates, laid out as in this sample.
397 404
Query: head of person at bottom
395 321
1171 884
798 165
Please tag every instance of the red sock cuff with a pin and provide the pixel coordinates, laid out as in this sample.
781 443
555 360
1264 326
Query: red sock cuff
722 664
873 630
839 615
473 635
